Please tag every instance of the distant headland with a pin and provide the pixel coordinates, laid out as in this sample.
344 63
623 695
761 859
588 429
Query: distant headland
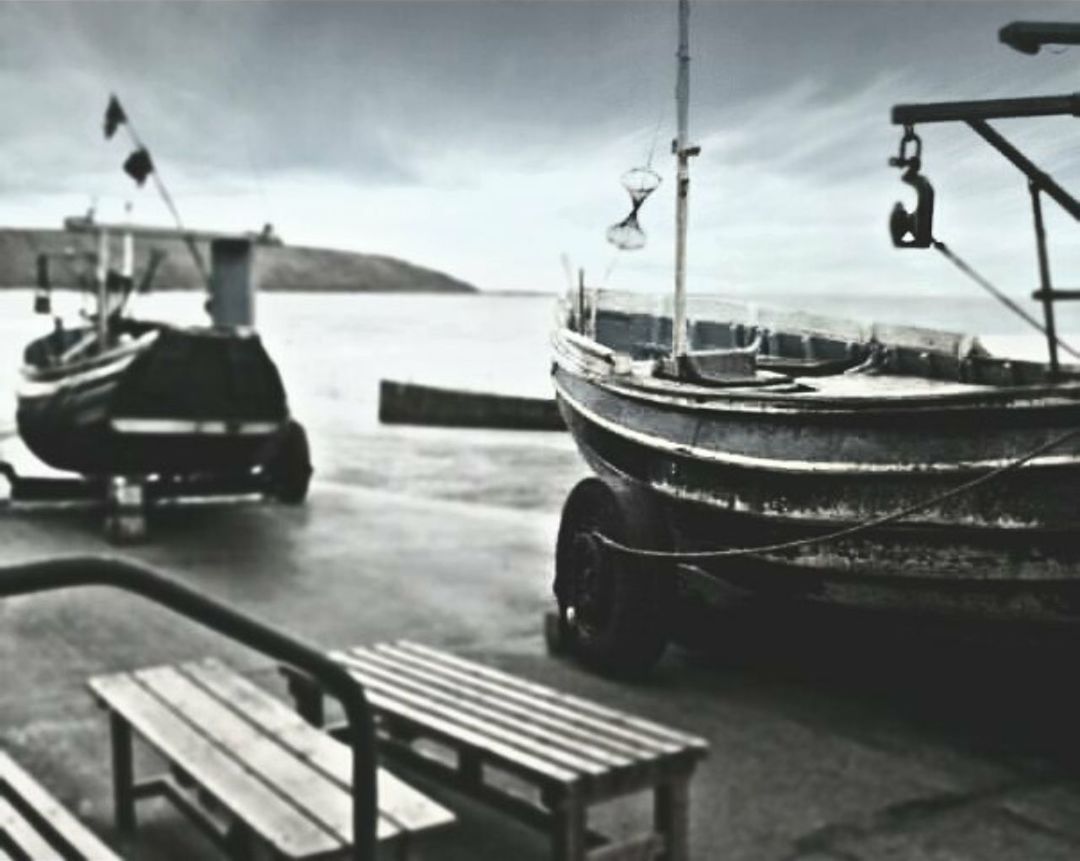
278 266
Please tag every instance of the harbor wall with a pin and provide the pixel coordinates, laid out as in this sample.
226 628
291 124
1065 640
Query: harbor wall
411 403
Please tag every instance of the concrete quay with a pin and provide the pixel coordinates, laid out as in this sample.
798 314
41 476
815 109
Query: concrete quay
834 736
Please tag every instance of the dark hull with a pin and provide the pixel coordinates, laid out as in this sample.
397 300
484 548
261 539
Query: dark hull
1008 550
187 402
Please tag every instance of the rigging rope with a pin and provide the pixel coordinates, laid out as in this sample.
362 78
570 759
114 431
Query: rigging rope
892 517
655 137
189 240
964 267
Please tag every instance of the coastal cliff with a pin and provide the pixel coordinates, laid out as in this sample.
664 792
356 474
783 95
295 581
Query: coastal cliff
278 267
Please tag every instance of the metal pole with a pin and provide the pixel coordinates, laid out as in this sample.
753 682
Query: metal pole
127 266
682 189
1028 36
987 109
1042 180
65 572
581 301
1044 278
103 291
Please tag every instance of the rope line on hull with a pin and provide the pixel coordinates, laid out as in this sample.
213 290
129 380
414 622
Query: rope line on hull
873 523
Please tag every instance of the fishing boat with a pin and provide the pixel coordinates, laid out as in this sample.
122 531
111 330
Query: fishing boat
779 455
118 396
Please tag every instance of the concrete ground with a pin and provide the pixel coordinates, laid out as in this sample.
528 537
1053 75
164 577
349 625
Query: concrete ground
834 736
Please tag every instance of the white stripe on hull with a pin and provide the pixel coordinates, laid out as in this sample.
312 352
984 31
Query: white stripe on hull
801 466
31 390
187 427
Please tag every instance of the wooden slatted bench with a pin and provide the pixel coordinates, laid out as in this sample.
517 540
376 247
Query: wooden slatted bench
245 766
572 752
33 824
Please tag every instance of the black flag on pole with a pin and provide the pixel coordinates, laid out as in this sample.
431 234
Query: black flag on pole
139 166
114 115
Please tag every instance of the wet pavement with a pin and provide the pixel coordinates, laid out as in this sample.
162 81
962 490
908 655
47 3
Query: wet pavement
834 736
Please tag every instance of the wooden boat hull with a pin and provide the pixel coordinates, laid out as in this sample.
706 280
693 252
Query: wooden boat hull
745 466
990 571
177 402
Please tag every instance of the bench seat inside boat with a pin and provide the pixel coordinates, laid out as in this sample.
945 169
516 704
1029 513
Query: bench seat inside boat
804 345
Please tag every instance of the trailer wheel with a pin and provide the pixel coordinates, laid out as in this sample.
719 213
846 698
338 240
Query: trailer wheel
613 608
289 468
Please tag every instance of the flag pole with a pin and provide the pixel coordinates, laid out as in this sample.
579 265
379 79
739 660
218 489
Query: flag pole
159 183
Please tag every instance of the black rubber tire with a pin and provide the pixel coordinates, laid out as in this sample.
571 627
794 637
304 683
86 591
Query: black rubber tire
289 468
613 608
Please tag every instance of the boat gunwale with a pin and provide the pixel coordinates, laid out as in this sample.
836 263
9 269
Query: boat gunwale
773 398
56 373
793 466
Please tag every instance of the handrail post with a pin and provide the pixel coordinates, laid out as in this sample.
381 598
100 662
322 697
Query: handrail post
70 571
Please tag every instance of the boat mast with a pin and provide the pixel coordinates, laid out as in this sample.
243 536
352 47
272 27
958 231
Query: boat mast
102 278
683 152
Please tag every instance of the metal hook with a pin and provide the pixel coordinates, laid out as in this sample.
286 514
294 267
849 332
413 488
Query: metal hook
902 159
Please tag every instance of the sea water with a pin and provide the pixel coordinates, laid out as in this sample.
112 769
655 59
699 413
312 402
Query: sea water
333 349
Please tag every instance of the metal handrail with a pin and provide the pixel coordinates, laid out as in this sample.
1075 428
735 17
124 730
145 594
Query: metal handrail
64 572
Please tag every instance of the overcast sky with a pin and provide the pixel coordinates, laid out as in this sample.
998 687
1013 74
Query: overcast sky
487 138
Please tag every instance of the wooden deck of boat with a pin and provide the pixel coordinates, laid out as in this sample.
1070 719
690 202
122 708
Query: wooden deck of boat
887 385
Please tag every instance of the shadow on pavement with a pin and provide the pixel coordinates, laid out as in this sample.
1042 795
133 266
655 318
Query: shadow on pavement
988 687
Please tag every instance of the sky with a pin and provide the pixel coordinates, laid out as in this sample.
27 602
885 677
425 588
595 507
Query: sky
487 139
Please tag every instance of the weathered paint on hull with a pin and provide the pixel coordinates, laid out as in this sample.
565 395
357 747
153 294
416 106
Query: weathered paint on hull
664 445
1010 550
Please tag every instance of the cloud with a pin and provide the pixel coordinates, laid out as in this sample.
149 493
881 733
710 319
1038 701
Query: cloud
487 138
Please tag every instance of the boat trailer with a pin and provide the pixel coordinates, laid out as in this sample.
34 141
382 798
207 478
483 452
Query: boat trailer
126 501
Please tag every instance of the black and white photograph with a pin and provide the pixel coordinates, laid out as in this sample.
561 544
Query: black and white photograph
539 430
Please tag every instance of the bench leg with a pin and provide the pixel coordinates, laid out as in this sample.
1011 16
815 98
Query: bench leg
568 829
308 698
470 770
123 773
671 807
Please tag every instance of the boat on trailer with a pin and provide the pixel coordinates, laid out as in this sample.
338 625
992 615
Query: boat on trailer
196 409
155 400
787 455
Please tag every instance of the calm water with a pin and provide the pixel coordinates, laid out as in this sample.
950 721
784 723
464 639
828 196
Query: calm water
333 350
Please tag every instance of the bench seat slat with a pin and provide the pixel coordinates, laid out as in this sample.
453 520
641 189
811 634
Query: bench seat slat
14 780
24 835
506 743
401 808
310 792
485 708
272 817
546 694
589 729
474 738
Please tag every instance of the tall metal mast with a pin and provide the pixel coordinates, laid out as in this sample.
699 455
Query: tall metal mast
683 152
